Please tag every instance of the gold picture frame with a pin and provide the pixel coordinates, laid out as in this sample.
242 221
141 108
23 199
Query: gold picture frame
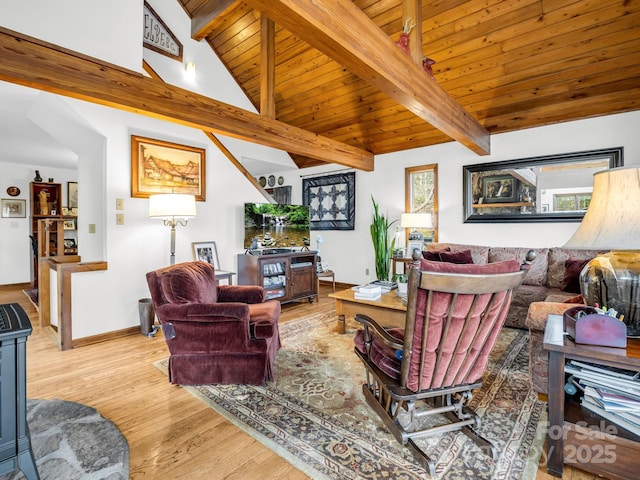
158 166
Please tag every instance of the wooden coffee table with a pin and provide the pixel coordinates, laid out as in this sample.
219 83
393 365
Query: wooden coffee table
389 310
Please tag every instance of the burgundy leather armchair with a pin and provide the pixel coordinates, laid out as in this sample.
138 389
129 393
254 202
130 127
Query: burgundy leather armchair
216 334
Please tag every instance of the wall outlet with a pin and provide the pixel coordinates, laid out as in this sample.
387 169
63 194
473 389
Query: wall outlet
366 272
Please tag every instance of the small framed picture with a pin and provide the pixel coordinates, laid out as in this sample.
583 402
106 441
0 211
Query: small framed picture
206 252
411 246
69 243
69 225
65 211
72 194
12 208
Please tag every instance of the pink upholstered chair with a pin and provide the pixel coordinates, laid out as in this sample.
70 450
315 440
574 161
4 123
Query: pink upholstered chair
454 316
216 334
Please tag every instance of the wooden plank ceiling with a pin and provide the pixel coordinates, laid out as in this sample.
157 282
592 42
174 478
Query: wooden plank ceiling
510 64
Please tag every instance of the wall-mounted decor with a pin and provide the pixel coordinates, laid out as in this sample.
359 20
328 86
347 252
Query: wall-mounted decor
13 191
332 201
72 194
12 208
164 167
157 36
551 188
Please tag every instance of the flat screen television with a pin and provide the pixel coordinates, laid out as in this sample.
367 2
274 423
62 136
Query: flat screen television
276 225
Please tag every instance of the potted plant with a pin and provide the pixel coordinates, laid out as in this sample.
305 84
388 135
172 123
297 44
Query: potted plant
382 245
401 279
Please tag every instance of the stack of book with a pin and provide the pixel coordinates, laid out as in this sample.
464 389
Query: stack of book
368 292
613 394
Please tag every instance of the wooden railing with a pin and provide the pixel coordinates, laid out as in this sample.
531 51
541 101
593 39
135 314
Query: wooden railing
64 266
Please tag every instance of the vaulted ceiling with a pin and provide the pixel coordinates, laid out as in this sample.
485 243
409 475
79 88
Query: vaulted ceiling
508 65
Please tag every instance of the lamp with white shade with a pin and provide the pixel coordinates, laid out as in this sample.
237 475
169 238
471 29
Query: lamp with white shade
416 222
612 222
172 209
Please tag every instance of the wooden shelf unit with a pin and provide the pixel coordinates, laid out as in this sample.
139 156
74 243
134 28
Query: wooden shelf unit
285 276
47 223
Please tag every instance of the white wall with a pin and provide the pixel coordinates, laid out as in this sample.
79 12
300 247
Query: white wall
15 245
350 253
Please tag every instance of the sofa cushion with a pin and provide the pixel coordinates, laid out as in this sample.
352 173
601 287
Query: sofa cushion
571 279
537 271
479 253
462 256
193 283
557 258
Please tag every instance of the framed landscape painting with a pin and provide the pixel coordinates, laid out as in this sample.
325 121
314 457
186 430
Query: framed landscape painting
158 166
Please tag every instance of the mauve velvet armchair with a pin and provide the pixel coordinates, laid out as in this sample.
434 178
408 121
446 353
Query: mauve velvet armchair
223 334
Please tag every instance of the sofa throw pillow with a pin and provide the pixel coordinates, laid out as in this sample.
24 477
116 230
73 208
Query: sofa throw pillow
571 280
460 257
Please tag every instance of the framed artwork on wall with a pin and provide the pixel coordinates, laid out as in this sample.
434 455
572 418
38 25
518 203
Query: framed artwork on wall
72 194
331 200
158 166
12 208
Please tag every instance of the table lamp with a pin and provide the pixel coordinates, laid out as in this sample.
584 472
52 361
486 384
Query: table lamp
416 221
173 209
612 222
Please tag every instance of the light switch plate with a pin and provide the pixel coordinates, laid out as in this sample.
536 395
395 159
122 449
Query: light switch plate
119 218
119 203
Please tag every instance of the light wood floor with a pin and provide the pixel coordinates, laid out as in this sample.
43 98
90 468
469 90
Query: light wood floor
171 434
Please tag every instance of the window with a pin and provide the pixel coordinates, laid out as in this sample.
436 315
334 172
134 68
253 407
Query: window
421 195
571 202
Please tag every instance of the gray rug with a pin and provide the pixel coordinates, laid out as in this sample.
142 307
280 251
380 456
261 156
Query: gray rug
72 441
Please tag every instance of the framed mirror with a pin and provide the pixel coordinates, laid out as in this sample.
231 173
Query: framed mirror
552 188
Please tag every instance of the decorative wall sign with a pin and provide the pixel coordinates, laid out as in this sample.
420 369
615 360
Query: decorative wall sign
157 36
332 201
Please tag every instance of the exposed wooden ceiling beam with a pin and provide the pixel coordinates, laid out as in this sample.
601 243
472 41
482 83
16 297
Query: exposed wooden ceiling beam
216 141
203 19
267 67
339 29
33 63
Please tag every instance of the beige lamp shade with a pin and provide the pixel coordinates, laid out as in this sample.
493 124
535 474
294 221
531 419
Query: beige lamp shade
172 205
416 220
612 221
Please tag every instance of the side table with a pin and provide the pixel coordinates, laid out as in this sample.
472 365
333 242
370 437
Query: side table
575 435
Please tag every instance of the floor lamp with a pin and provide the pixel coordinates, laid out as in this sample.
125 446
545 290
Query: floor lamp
172 209
612 222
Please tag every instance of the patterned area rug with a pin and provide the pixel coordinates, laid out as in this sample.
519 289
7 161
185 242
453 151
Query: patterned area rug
314 414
